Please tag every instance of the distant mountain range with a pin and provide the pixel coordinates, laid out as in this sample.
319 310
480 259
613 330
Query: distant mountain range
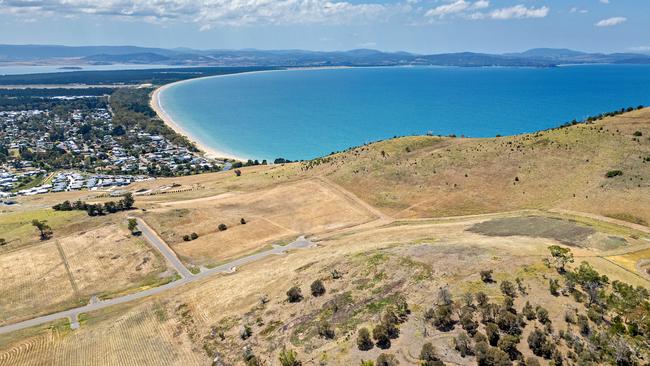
94 55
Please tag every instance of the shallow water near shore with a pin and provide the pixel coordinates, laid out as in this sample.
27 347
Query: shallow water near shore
302 114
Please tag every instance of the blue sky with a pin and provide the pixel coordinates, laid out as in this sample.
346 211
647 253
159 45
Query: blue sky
423 26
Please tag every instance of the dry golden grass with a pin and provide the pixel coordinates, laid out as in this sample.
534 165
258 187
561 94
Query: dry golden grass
111 252
411 258
34 282
430 176
272 214
101 261
145 337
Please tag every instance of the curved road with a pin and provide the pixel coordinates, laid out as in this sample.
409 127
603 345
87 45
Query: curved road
186 277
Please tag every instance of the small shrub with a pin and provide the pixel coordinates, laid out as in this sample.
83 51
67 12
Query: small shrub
463 345
294 294
364 343
542 315
242 221
222 227
528 311
508 344
380 335
508 289
249 357
442 318
317 288
613 173
194 236
532 361
554 286
486 276
492 332
3 242
385 359
637 133
539 344
481 299
289 358
428 356
325 329
245 332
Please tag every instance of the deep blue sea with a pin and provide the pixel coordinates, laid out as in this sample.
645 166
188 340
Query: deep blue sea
302 114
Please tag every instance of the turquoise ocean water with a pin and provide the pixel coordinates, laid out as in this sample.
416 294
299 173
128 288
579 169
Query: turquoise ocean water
302 114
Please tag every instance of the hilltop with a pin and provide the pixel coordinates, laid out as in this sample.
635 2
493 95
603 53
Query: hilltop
420 240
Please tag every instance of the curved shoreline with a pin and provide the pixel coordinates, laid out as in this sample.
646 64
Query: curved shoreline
156 105
211 152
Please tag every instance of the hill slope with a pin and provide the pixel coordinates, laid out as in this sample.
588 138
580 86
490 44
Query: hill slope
566 168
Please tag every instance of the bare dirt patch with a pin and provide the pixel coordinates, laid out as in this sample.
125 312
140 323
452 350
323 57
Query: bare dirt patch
565 231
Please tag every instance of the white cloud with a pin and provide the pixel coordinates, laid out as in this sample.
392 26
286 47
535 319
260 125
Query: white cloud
442 10
518 12
456 7
208 13
475 10
604 1
611 22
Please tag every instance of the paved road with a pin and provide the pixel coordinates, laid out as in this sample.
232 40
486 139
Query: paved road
163 248
158 243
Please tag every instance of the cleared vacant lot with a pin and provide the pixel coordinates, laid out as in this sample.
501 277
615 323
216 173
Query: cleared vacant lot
45 276
34 281
272 215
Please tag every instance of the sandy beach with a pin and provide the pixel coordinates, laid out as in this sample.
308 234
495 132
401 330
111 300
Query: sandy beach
166 118
210 151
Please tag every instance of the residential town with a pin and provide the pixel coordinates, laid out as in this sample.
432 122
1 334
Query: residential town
88 149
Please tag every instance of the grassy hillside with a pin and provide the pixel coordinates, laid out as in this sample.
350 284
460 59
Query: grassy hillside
562 168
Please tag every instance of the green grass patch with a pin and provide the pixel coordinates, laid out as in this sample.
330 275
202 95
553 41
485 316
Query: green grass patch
624 216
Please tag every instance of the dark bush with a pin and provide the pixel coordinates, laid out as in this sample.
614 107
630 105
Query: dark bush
508 289
294 294
363 340
380 335
222 227
194 236
490 356
385 359
325 329
463 345
428 356
317 288
539 344
486 276
613 173
492 332
508 344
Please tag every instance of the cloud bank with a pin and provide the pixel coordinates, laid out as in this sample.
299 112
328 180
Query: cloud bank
611 22
208 13
478 10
